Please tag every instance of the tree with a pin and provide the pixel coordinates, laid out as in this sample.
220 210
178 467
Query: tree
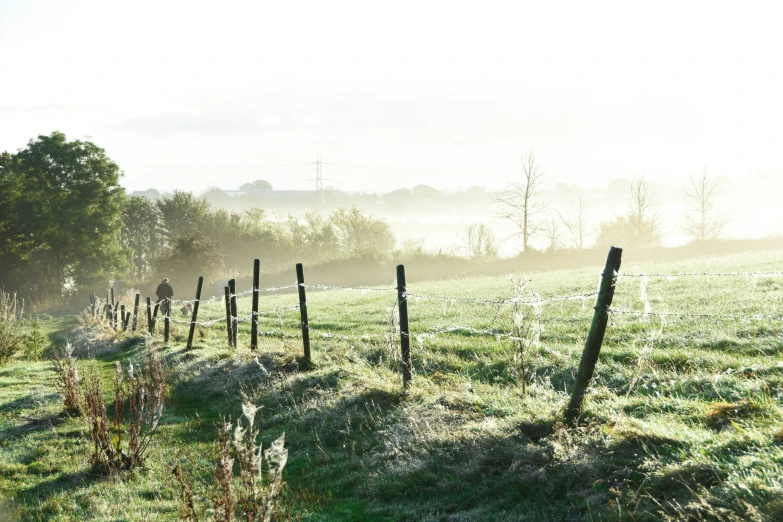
479 242
60 206
181 213
258 184
552 232
141 234
641 225
190 255
359 233
701 220
643 217
577 221
520 201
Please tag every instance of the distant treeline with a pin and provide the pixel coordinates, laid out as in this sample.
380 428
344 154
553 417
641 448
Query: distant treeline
404 201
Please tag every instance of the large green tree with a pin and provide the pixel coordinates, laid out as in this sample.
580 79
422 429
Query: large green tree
142 235
60 207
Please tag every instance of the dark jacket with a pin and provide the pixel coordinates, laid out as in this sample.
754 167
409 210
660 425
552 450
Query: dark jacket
164 291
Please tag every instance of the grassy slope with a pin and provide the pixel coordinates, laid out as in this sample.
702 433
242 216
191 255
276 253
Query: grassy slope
681 419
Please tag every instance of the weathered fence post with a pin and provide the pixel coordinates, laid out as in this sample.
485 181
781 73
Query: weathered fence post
155 317
125 317
166 319
232 286
228 316
254 312
136 312
596 335
116 309
405 336
149 315
195 312
303 312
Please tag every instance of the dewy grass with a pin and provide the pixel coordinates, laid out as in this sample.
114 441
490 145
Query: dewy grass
464 442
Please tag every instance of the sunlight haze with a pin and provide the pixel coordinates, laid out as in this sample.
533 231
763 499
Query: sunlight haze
193 94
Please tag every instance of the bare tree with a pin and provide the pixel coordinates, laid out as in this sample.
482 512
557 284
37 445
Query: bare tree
701 220
479 242
520 201
643 217
577 221
552 231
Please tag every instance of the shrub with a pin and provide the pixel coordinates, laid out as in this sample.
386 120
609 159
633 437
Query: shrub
35 341
124 447
255 494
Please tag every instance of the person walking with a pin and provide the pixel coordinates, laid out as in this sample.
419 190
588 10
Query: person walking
165 293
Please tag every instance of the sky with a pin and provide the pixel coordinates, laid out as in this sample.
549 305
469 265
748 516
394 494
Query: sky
193 95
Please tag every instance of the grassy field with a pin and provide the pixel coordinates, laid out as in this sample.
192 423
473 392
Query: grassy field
684 418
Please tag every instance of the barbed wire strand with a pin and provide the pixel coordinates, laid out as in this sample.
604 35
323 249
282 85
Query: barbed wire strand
704 274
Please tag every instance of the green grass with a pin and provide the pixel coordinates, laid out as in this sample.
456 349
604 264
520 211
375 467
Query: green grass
684 417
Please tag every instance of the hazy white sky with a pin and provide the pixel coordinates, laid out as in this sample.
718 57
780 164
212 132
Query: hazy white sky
198 94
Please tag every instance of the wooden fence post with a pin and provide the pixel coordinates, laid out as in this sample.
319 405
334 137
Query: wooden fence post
136 312
228 317
303 312
149 315
166 319
195 312
155 317
124 317
405 337
116 309
254 312
232 286
596 335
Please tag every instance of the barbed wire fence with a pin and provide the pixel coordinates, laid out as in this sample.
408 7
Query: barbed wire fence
603 312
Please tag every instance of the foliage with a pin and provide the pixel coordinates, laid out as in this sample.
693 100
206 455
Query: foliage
189 256
11 336
255 495
314 236
141 234
258 184
118 446
60 205
359 233
181 213
34 340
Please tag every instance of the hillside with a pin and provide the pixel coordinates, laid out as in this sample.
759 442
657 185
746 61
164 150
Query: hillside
684 418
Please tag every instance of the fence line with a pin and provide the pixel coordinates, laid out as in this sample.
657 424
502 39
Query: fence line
705 274
640 313
525 329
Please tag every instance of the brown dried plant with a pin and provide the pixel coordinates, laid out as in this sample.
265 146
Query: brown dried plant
124 446
255 494
67 381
